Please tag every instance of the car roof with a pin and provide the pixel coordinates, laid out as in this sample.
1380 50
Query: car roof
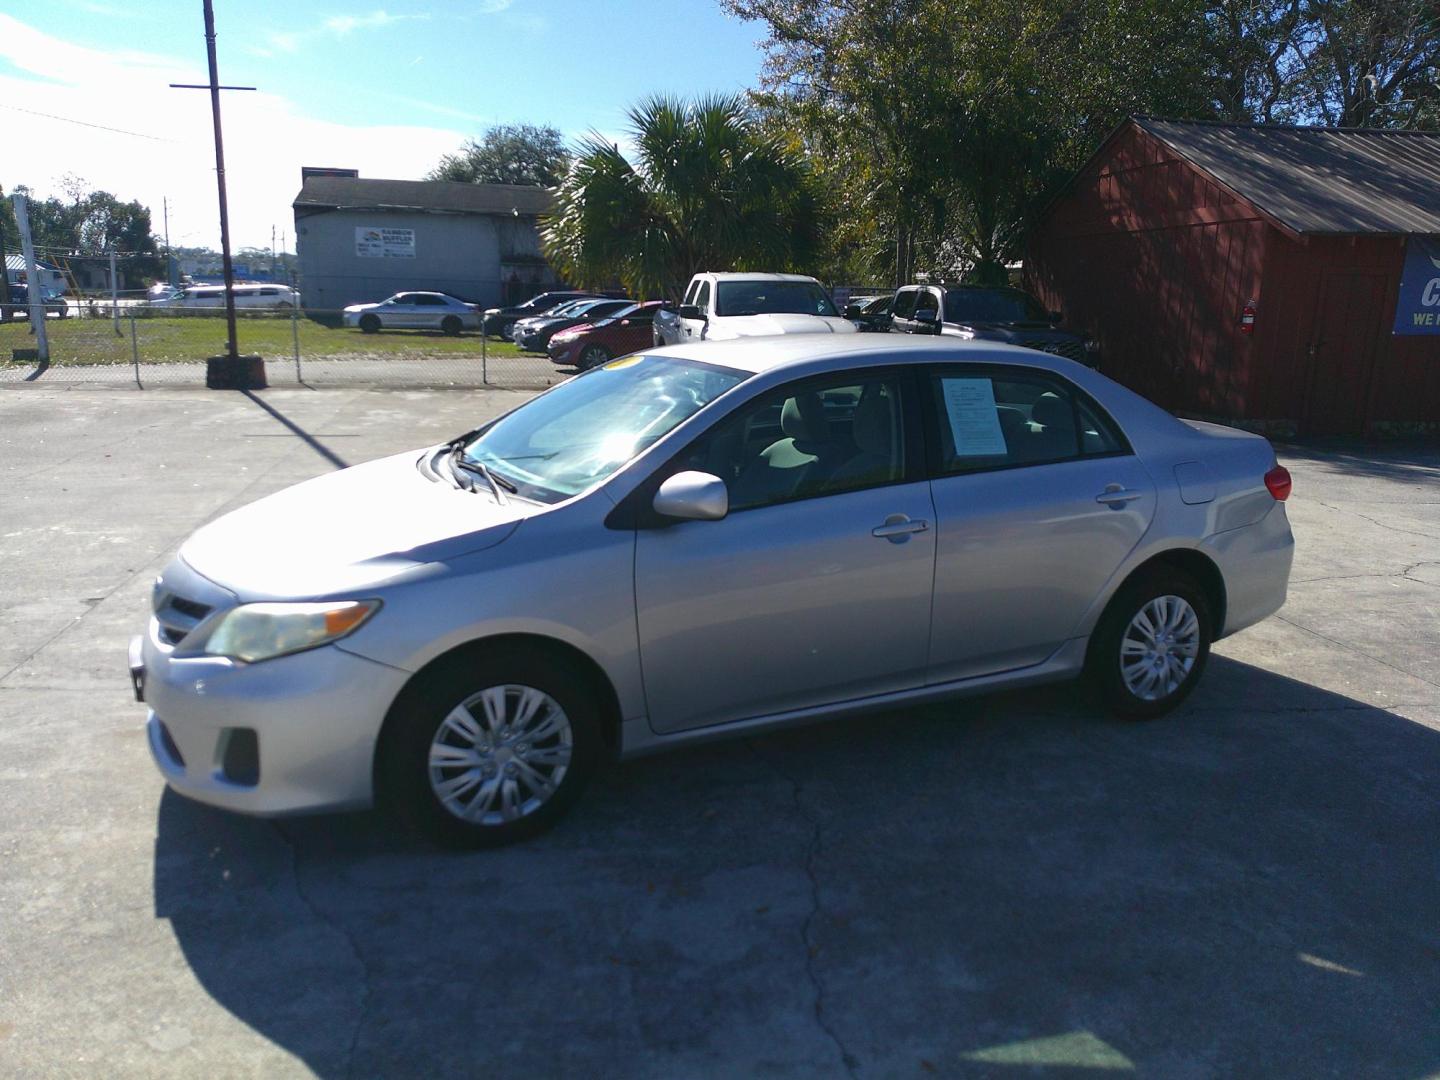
738 276
821 351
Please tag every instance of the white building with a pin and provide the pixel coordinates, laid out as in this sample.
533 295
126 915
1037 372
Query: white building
362 240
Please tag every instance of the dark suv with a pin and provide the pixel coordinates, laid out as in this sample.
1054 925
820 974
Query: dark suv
990 313
498 320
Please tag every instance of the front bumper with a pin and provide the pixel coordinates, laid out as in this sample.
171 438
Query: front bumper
308 724
564 353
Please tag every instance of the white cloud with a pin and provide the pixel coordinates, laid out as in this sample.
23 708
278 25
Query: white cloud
267 137
343 24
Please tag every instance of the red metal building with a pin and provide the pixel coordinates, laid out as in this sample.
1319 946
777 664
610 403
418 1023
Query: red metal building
1253 273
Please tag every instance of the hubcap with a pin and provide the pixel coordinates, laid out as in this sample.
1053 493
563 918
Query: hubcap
500 754
1159 648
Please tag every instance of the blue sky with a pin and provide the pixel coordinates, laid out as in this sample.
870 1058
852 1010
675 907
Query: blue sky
385 87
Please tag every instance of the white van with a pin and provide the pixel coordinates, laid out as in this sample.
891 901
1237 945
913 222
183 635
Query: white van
246 296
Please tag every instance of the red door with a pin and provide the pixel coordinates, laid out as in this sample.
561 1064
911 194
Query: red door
1342 349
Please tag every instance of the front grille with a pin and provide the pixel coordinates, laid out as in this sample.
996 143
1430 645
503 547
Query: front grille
1071 350
178 616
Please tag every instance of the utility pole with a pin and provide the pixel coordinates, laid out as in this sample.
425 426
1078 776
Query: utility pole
32 280
169 257
231 371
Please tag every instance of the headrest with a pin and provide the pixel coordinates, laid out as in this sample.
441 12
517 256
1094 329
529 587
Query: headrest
871 426
1052 411
803 418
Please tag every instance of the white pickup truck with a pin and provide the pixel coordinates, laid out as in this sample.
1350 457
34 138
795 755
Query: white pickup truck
719 307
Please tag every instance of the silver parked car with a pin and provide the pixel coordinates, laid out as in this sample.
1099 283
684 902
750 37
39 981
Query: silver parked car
414 311
696 542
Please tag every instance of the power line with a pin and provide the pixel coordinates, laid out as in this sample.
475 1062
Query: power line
86 123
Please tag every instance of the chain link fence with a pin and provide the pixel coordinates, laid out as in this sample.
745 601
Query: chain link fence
139 345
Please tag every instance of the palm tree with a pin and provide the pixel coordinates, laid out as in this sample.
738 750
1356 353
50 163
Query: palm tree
709 190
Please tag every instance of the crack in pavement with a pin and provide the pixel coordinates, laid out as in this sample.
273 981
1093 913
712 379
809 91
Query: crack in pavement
1367 517
812 853
350 941
1357 652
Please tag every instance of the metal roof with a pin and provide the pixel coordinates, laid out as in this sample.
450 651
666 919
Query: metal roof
425 196
17 262
1318 180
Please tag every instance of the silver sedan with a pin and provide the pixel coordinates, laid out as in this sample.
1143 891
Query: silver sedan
414 311
698 542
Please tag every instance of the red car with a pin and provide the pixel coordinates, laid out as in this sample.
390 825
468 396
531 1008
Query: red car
591 344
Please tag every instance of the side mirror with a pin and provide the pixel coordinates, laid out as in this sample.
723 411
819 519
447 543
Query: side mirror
693 496
1056 317
690 311
929 324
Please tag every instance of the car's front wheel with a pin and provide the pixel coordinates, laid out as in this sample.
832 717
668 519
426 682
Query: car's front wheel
450 325
593 356
491 749
369 324
1151 645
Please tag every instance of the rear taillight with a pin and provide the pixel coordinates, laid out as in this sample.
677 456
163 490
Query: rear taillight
1277 480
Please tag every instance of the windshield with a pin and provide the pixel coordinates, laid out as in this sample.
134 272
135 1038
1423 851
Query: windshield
992 305
771 298
580 432
574 307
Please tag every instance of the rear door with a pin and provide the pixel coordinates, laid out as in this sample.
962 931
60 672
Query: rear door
1038 501
634 332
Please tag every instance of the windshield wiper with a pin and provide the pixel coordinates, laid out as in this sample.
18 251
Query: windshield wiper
498 484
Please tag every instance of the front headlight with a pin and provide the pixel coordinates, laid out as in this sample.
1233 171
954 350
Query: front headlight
261 631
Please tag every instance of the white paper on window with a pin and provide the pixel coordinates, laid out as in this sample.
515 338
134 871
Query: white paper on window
974 423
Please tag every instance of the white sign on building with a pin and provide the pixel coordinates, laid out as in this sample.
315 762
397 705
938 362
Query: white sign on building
373 243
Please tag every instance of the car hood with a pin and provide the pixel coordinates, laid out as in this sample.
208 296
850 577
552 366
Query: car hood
1018 331
721 327
362 307
348 530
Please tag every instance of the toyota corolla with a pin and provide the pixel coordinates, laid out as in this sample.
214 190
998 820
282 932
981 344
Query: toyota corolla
697 542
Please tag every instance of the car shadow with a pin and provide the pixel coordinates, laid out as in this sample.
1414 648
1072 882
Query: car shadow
986 887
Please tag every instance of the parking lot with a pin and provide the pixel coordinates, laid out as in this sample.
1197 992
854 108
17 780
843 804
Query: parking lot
1014 885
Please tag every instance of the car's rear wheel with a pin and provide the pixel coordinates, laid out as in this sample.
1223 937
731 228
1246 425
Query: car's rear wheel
1152 643
593 356
369 324
491 749
450 325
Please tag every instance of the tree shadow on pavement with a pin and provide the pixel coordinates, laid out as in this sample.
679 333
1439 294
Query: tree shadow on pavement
1013 885
1414 461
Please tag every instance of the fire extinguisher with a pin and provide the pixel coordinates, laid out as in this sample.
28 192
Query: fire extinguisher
1247 317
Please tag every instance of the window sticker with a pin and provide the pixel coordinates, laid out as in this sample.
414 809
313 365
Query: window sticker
974 423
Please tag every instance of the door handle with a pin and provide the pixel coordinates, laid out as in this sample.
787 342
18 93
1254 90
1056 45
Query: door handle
1115 496
898 527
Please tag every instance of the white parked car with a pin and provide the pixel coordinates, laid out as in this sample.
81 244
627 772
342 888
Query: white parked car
721 307
275 297
414 311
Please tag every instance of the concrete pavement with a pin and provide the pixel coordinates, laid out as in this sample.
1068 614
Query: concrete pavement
1004 887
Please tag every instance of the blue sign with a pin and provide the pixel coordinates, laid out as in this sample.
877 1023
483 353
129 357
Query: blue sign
1417 311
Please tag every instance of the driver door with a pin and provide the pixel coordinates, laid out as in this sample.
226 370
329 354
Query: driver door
815 588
